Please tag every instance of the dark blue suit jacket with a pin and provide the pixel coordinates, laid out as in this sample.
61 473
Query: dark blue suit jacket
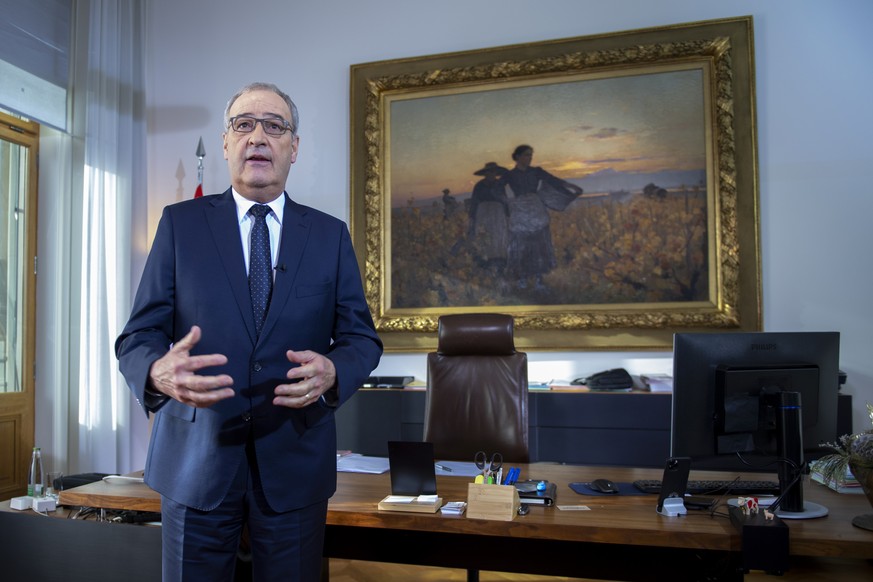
196 275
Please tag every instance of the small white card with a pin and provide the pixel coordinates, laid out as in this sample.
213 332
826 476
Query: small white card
574 508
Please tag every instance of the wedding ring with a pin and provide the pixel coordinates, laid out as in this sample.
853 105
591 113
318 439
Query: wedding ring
306 397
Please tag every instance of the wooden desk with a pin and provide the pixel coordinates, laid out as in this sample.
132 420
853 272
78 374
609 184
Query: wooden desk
103 495
619 538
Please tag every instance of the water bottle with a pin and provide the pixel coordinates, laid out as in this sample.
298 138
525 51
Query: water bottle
35 481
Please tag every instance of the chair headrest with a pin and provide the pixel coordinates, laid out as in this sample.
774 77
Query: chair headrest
467 334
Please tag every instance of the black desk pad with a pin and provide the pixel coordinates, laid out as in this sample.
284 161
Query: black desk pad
623 489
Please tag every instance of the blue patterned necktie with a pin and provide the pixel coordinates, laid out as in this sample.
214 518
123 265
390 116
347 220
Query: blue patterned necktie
260 265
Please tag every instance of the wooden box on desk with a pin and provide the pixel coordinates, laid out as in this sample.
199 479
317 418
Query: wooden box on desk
415 506
498 502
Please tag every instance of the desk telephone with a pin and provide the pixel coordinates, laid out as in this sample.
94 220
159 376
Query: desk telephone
615 379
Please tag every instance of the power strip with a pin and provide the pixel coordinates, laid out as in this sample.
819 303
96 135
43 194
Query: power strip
43 504
20 503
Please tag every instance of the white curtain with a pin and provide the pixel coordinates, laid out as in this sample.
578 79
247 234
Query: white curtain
114 161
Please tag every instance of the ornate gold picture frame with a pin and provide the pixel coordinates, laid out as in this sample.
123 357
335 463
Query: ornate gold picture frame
655 128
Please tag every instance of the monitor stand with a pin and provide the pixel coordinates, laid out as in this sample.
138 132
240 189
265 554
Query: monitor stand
810 510
789 435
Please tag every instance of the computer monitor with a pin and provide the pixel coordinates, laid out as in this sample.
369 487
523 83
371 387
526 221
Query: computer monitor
727 403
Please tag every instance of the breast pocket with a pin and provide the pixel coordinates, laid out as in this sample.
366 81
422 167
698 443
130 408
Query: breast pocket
303 291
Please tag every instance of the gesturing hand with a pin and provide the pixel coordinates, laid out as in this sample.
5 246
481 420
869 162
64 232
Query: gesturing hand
174 374
317 375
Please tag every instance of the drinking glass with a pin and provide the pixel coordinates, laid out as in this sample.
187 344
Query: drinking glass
54 484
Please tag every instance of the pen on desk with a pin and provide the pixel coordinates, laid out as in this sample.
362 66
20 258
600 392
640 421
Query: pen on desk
443 468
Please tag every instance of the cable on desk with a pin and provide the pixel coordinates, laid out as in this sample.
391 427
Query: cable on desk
83 513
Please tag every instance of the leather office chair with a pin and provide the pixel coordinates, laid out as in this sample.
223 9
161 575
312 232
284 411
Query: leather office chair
477 392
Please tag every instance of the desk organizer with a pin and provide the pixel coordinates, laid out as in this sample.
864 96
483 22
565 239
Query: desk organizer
499 502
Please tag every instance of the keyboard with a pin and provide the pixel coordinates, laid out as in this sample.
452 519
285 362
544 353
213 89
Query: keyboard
715 487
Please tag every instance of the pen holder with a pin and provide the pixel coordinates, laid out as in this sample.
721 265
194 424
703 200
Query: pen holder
499 502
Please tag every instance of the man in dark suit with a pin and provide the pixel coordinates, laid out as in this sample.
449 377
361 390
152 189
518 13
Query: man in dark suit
244 396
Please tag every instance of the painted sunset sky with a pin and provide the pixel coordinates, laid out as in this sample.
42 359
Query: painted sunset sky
634 123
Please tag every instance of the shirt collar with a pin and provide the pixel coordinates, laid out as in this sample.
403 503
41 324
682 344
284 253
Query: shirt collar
277 205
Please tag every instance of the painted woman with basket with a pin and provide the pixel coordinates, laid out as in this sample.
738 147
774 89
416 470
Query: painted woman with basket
532 192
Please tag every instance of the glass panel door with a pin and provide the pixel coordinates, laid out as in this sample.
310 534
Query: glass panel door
13 202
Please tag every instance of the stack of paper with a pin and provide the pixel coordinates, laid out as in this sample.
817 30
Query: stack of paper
657 382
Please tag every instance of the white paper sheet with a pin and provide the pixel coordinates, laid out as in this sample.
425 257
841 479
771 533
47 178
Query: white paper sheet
355 463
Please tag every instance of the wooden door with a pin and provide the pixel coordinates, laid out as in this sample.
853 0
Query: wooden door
19 142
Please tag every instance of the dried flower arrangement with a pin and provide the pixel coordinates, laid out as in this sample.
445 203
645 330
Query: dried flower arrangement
852 451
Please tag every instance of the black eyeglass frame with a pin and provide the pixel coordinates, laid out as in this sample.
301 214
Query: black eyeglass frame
285 124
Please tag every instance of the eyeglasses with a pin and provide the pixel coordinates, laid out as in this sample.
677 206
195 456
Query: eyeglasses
271 125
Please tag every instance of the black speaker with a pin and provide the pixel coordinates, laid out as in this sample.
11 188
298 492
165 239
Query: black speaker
844 415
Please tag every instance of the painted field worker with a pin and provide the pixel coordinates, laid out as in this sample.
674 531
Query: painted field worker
533 191
489 217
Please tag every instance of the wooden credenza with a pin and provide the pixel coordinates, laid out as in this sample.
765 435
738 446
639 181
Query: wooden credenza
626 429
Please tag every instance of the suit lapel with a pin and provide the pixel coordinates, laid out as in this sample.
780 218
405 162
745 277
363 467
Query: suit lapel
224 226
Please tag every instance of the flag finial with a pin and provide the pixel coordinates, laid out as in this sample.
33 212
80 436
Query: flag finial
201 153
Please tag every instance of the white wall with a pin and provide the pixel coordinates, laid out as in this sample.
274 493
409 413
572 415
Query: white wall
814 82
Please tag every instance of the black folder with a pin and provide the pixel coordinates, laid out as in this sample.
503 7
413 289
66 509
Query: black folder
529 493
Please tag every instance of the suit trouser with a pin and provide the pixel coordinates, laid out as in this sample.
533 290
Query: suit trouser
201 546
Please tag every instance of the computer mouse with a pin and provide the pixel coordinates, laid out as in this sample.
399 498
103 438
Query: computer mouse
603 486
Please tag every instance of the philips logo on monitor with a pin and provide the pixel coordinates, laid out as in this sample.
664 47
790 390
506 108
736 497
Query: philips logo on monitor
763 347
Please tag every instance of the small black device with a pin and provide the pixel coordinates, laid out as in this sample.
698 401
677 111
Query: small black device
603 486
673 486
387 381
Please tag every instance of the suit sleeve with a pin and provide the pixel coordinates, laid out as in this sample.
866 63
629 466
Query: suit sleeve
148 333
356 347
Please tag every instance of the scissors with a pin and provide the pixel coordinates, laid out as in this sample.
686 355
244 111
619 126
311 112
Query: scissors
488 466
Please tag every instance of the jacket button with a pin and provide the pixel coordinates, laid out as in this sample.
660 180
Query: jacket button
257 367
246 416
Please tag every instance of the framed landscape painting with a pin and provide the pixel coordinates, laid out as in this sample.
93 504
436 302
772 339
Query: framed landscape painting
602 190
